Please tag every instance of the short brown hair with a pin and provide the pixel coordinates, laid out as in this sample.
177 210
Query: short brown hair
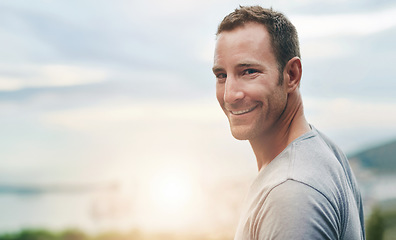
284 38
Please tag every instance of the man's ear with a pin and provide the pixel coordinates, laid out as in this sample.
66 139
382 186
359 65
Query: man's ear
292 73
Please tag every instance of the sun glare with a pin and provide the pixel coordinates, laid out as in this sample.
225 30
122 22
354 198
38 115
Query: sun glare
171 198
171 192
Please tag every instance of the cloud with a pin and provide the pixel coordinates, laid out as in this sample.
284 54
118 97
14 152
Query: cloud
320 26
139 113
363 71
50 76
326 48
352 124
343 113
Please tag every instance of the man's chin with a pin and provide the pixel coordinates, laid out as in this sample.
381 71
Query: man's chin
239 134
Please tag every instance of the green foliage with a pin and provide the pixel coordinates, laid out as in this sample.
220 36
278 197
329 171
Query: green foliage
375 226
74 234
36 235
7 236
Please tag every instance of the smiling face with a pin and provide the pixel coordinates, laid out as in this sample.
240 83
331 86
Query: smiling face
248 84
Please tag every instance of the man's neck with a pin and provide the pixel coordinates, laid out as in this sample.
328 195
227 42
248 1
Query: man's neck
290 126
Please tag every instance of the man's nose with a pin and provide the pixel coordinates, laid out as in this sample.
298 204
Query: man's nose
233 90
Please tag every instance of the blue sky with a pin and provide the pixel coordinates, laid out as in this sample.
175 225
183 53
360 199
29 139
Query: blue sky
98 91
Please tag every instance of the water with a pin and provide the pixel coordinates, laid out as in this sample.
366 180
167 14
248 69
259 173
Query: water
57 211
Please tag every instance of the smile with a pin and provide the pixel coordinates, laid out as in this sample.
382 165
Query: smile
243 111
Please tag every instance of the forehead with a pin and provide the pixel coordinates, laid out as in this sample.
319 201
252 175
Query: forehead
251 40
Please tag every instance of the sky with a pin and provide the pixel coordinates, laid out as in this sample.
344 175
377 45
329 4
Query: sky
122 91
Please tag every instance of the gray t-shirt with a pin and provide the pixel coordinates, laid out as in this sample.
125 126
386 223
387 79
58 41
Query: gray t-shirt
307 192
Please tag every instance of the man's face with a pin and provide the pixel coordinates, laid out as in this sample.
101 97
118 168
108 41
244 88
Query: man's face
247 86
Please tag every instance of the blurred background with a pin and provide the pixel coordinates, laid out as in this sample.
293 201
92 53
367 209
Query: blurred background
109 122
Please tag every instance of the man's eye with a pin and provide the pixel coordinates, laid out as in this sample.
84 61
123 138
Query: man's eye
221 76
250 71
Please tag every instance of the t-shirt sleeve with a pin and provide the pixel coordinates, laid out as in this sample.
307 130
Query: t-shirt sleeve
293 210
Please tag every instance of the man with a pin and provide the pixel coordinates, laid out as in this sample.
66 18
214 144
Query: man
305 188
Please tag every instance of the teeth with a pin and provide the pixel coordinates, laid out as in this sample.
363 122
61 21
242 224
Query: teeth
243 111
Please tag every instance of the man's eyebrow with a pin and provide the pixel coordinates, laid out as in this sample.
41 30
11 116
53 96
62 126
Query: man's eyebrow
247 64
216 69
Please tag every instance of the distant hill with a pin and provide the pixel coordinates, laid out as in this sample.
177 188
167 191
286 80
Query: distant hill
63 188
380 158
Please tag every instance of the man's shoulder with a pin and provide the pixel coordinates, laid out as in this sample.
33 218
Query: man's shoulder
316 165
302 207
295 195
